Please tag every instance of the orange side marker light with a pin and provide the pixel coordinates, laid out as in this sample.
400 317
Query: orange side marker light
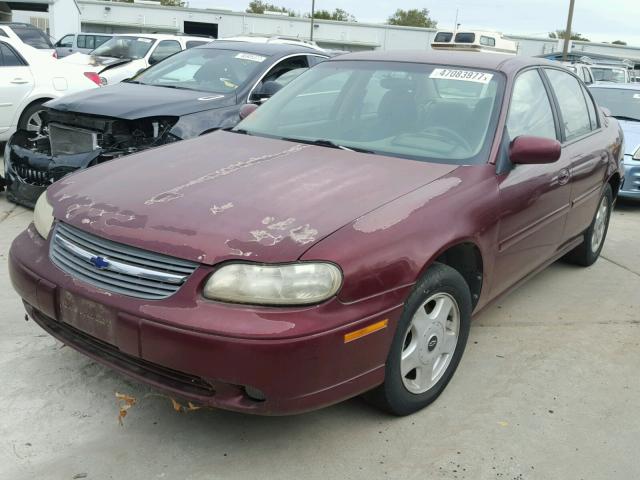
374 327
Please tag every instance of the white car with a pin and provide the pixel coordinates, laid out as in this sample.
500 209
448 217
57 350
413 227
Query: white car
27 80
125 55
278 39
30 35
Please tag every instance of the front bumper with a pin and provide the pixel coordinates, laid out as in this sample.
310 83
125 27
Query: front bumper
28 173
297 357
630 187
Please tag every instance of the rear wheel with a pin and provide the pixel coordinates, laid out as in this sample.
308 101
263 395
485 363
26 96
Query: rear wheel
589 250
428 343
31 118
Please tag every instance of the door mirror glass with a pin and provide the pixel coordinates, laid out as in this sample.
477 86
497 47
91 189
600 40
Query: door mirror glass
528 150
247 109
266 91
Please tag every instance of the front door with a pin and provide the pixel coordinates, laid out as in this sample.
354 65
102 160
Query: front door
16 82
534 199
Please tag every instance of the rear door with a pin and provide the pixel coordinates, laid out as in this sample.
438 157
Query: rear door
582 145
16 82
534 199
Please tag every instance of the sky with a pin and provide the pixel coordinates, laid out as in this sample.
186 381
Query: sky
598 20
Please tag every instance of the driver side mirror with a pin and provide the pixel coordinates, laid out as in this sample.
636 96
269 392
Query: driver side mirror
266 91
529 150
247 109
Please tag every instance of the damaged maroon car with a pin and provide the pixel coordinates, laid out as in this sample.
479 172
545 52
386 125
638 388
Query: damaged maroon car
336 242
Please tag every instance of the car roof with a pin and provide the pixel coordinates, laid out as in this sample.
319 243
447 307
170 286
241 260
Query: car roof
267 49
17 24
157 36
617 86
489 61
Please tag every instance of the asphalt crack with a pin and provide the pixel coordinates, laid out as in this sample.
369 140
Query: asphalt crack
624 267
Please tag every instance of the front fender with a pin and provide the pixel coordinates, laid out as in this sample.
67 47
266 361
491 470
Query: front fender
195 124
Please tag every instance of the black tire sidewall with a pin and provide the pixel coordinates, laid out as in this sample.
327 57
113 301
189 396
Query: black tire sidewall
439 278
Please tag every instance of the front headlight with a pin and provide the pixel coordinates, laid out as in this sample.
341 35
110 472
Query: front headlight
291 284
43 215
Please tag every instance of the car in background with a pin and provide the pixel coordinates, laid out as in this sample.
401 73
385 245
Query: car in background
474 41
336 241
582 70
80 43
623 104
192 93
123 56
27 80
29 35
276 39
609 74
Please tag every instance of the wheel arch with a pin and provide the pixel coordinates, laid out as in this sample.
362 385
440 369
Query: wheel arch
614 181
30 102
466 258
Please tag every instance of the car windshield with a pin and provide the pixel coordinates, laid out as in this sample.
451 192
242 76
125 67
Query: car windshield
622 102
33 37
615 75
204 69
124 47
408 110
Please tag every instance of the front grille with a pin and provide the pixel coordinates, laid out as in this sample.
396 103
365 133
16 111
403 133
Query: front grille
116 267
32 176
71 140
174 379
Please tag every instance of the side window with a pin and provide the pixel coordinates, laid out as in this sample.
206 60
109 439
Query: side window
90 42
82 40
100 39
487 41
8 57
65 42
164 49
573 107
315 59
279 69
530 111
3 33
593 116
587 74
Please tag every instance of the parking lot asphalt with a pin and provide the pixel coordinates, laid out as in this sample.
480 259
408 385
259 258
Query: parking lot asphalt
548 389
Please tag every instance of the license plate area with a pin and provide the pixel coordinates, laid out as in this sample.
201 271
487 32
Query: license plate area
88 316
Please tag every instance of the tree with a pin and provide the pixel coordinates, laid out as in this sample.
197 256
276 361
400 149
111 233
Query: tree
619 42
338 14
412 18
563 34
258 6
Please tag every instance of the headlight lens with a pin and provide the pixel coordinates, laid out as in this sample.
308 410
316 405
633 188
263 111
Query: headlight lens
292 284
43 215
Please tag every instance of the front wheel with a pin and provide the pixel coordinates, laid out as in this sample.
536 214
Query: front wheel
589 250
428 343
31 118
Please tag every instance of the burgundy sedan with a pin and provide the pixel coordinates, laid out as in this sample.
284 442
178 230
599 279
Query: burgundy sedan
336 242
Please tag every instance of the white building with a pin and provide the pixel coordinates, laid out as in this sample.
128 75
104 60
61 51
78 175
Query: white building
68 16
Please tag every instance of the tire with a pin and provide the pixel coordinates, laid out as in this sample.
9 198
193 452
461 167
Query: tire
26 121
589 250
422 340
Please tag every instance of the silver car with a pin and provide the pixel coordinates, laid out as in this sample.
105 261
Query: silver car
623 100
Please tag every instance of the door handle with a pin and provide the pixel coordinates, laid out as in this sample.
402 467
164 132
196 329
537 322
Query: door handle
563 176
19 81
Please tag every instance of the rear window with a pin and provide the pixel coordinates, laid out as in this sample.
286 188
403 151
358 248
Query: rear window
487 41
465 37
443 37
34 37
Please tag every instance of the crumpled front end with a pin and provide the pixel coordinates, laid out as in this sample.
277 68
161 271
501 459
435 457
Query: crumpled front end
71 141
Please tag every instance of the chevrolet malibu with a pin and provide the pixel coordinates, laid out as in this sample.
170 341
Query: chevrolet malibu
336 242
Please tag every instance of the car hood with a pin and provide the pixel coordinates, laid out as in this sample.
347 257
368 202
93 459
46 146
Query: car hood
231 196
94 61
130 101
631 136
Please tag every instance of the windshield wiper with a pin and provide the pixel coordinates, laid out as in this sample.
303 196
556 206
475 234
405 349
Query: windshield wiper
327 143
241 131
622 117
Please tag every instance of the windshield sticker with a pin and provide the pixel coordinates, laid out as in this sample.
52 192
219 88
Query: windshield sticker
464 75
251 57
144 40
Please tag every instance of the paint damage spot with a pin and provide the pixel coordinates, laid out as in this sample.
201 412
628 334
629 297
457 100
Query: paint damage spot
215 210
178 192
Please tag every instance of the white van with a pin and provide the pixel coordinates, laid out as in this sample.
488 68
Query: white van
474 41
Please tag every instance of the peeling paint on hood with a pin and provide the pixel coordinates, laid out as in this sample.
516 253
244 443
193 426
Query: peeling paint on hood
227 195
